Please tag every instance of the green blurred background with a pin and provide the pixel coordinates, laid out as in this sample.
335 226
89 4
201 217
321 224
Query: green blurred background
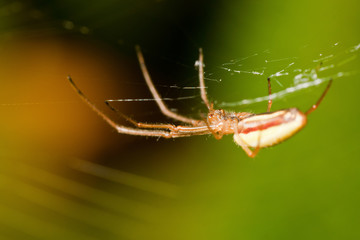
65 174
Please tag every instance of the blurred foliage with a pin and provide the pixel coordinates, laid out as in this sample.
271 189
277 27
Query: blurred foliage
65 174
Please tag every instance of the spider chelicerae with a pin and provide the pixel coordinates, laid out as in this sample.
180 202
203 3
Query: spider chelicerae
251 131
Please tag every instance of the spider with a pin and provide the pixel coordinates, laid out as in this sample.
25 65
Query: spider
251 131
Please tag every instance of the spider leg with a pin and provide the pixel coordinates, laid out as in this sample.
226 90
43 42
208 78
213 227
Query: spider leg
315 106
185 131
203 93
164 109
140 124
247 150
244 146
217 135
181 130
255 152
270 100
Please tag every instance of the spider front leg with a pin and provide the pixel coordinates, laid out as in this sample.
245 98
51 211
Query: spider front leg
140 124
153 131
200 65
163 108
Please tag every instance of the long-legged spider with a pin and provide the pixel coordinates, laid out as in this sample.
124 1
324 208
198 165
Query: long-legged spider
250 130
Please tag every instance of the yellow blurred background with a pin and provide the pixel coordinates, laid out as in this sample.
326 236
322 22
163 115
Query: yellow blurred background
64 173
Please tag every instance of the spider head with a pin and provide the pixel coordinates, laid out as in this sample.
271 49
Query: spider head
216 116
267 129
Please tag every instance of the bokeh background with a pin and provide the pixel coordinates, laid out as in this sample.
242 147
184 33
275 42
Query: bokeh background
65 174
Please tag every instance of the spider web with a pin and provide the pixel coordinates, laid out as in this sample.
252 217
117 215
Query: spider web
290 74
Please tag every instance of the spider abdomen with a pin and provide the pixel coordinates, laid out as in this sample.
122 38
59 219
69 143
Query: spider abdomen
265 130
